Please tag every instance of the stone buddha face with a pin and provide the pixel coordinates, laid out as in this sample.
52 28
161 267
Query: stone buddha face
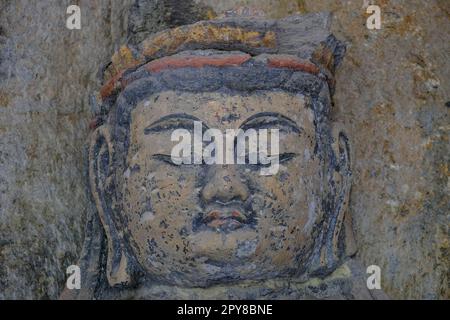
200 224
197 223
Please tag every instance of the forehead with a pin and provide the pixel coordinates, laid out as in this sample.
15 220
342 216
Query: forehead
221 110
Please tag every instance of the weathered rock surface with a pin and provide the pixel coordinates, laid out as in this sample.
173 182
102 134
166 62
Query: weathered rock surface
46 75
392 90
392 93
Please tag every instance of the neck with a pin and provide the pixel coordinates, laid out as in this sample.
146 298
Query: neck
343 283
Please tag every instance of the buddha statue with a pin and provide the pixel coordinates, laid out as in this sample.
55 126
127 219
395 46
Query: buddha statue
170 229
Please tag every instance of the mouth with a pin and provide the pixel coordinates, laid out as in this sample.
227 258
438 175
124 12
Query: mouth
224 219
233 220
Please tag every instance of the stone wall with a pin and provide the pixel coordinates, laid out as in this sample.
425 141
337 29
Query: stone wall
392 94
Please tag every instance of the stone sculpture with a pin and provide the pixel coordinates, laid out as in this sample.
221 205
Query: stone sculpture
221 231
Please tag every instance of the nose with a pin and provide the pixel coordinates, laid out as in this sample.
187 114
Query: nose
224 185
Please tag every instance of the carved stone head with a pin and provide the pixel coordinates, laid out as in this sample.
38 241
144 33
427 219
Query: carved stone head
194 225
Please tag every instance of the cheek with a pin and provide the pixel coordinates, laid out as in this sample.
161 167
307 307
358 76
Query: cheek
287 208
280 196
160 203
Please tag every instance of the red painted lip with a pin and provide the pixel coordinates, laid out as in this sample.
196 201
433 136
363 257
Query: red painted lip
225 219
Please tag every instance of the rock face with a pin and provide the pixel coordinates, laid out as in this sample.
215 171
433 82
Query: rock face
391 92
46 75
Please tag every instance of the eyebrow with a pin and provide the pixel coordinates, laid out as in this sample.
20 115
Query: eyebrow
267 120
172 122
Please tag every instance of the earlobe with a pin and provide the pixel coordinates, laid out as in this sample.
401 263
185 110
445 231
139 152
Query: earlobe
342 179
101 154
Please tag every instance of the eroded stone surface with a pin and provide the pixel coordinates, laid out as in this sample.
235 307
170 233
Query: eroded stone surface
391 90
47 73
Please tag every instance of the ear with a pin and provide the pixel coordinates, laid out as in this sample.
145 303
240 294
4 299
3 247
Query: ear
336 243
342 244
101 178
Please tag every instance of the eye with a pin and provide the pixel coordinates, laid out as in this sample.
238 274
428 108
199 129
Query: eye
282 158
